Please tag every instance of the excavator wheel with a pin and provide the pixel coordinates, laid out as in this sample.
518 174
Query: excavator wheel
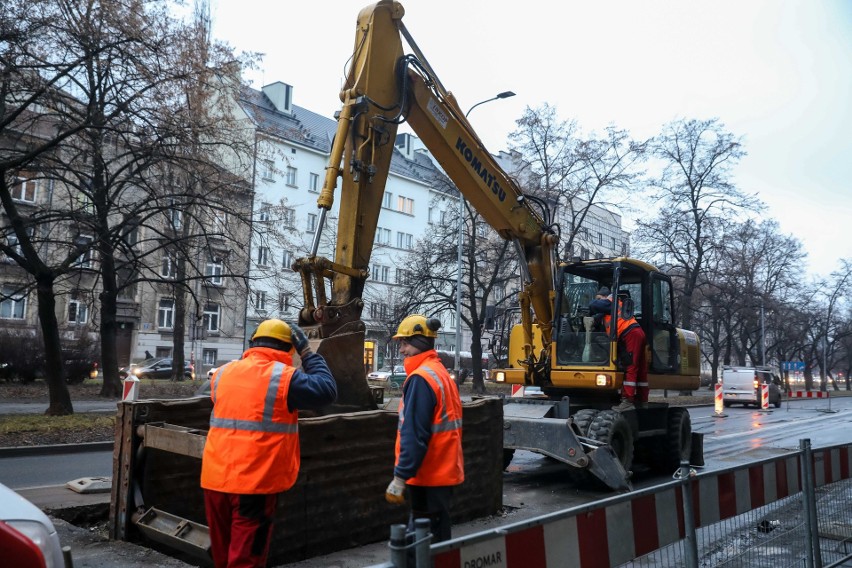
677 445
583 419
612 428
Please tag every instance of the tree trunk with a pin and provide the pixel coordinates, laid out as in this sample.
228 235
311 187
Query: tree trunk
60 399
111 386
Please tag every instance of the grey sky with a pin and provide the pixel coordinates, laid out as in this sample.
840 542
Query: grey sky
779 74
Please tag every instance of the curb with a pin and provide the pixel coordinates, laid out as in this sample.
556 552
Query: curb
20 451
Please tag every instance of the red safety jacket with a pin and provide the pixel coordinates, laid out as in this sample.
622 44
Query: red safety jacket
253 443
444 462
624 323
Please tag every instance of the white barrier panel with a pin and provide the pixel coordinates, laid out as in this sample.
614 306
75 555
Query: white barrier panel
621 529
131 389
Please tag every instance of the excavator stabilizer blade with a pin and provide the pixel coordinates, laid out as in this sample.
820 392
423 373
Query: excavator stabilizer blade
344 354
604 464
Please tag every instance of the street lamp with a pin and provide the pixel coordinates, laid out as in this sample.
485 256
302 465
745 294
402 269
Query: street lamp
503 95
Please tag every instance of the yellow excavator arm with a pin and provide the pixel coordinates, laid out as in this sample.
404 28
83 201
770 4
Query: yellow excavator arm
385 86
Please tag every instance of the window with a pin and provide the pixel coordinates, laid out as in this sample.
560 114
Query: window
288 217
263 256
405 205
431 217
208 356
600 238
287 259
291 176
268 169
404 240
481 229
383 236
260 300
313 183
284 302
213 270
403 276
381 273
166 313
614 244
264 214
85 259
168 268
387 201
211 317
24 189
174 216
78 312
312 222
14 243
220 221
13 303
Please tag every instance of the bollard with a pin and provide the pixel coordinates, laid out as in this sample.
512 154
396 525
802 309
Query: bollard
131 389
398 547
764 397
719 402
423 539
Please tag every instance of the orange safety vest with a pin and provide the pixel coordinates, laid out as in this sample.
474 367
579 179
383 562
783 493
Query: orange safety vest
253 443
444 462
622 324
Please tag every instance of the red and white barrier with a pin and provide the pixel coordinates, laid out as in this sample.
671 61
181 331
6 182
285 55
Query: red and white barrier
809 394
621 529
518 390
131 389
764 397
719 401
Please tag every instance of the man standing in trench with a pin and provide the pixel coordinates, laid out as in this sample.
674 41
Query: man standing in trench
252 449
429 459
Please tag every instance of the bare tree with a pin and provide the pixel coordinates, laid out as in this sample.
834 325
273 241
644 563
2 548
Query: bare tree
572 172
696 197
127 143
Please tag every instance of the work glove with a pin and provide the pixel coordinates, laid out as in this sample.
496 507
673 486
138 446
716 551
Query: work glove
299 340
395 493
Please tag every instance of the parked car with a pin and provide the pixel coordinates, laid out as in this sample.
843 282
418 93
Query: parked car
25 529
395 377
157 368
742 385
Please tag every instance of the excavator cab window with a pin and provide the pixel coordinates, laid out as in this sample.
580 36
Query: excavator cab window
578 341
663 335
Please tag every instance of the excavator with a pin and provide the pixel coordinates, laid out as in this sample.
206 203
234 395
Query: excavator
576 371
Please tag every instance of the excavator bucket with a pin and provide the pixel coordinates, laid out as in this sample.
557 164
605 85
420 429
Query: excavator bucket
604 464
344 354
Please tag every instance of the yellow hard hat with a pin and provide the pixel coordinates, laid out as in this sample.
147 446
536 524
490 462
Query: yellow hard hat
274 328
417 324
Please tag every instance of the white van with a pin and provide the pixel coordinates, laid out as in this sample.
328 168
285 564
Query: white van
741 385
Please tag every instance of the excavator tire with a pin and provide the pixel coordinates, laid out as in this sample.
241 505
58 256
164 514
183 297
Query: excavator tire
583 419
612 428
677 445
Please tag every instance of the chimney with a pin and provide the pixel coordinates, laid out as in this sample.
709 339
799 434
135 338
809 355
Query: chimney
280 95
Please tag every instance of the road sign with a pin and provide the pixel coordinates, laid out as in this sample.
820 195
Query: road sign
793 365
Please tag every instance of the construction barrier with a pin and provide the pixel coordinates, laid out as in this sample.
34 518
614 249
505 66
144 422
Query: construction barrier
795 395
620 529
719 402
764 397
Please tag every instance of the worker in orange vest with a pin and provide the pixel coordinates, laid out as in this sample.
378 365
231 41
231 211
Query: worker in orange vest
252 449
429 461
631 339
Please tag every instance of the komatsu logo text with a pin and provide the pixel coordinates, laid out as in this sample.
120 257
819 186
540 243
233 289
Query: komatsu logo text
480 169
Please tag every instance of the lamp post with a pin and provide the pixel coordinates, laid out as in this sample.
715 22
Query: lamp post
503 95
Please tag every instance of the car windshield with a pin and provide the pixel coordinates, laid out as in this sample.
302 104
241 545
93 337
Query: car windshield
150 362
398 369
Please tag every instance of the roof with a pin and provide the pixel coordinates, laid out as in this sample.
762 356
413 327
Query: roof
307 128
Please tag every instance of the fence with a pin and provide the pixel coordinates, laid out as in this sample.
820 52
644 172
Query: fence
791 510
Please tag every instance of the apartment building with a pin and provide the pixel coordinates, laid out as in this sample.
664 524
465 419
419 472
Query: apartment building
293 146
